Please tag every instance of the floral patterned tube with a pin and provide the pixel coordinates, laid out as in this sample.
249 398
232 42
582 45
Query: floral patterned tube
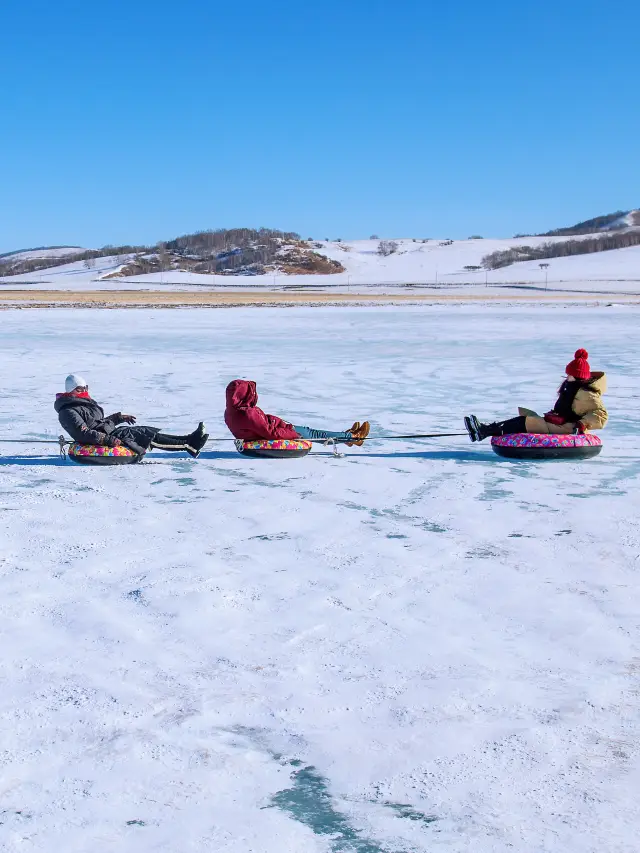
281 448
522 445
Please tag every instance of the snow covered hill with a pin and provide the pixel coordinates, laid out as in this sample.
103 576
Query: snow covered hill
42 253
459 262
618 221
455 265
442 263
628 220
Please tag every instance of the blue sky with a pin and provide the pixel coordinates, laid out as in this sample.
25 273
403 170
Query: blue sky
138 121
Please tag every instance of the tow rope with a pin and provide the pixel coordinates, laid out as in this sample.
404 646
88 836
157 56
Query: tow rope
368 438
63 442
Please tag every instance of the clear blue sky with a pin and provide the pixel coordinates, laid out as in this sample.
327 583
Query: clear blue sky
136 121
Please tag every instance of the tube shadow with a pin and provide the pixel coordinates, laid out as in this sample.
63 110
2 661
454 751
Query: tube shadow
34 461
220 454
456 455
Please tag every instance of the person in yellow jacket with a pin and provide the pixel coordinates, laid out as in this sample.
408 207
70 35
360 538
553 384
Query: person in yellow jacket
578 409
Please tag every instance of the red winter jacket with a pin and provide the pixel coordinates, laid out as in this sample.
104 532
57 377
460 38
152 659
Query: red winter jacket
246 420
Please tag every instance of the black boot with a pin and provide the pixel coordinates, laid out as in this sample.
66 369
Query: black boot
192 443
478 431
197 441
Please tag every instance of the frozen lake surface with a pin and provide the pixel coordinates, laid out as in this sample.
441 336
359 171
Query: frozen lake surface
417 647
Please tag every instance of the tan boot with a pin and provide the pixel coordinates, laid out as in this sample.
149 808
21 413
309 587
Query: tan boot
359 433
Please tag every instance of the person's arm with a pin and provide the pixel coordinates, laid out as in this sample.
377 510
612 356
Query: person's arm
115 418
269 426
280 428
71 421
589 410
118 418
595 419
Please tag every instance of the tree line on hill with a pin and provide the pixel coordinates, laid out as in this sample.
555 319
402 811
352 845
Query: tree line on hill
562 249
589 226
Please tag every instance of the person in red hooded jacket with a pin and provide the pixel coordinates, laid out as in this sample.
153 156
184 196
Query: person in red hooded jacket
247 421
578 409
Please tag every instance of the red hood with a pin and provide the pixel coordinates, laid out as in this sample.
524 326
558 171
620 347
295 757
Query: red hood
242 394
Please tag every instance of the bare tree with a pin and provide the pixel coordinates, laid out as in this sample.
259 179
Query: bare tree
387 247
163 256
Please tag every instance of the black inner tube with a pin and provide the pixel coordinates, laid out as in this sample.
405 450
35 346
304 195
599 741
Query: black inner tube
587 451
275 454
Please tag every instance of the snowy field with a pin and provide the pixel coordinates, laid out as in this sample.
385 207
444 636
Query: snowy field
417 647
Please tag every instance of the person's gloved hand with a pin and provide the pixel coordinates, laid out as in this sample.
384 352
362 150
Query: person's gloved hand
112 441
580 428
128 419
554 418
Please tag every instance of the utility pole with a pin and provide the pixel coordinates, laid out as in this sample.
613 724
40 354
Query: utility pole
545 267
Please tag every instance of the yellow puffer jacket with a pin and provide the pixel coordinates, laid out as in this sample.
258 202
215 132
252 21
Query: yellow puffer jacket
587 404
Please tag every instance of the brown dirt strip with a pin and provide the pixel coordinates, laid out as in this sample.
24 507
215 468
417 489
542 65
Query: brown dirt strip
212 299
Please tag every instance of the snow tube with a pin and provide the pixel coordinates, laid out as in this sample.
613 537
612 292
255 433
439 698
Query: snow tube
522 445
91 454
281 448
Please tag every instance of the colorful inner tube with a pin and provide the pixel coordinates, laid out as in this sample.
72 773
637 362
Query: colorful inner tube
91 454
524 445
281 448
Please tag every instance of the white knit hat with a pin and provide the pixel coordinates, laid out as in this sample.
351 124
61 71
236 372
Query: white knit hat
74 381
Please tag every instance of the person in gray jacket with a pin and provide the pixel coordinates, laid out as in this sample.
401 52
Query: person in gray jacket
85 421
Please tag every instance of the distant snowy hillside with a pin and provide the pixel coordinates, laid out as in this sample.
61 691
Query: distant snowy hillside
224 251
609 222
458 261
629 220
42 252
453 266
69 274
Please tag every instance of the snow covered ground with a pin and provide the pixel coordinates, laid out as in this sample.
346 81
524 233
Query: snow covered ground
417 647
424 264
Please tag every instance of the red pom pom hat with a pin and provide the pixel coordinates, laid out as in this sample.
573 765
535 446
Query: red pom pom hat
579 367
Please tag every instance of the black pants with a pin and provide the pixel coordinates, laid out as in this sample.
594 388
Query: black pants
509 427
136 438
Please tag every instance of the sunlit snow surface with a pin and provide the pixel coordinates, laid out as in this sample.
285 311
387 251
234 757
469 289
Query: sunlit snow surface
417 647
